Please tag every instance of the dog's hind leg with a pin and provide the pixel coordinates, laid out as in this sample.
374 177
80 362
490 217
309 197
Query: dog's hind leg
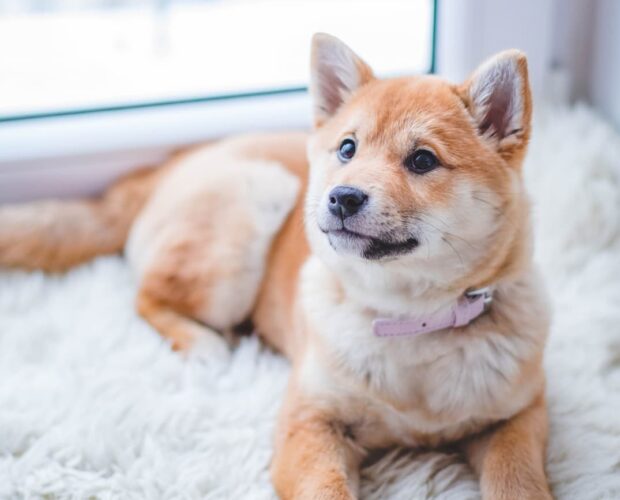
188 294
184 334
200 246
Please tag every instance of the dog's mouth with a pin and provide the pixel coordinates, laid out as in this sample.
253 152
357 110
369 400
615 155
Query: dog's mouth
369 247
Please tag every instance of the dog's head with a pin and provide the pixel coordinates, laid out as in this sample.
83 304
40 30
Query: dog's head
415 169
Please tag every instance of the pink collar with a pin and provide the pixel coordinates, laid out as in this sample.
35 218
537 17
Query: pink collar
468 307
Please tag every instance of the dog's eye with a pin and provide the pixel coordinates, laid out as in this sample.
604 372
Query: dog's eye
421 161
346 151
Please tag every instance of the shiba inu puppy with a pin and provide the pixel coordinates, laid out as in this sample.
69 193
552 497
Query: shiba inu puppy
393 267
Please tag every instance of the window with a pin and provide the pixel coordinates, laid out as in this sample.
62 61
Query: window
90 89
75 56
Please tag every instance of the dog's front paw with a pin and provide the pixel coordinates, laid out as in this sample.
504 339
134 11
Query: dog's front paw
510 489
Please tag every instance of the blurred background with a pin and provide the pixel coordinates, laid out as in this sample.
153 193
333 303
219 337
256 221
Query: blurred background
62 55
92 88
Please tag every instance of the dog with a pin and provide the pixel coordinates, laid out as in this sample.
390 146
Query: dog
388 254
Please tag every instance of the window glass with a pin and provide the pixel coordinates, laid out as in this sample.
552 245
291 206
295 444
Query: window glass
76 55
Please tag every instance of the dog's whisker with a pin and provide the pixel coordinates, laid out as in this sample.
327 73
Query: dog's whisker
454 250
447 234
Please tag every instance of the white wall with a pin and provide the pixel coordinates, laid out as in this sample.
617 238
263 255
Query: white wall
573 46
472 30
573 26
604 84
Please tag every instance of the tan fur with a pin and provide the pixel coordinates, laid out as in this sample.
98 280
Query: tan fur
179 329
307 432
509 458
413 391
201 242
55 235
233 230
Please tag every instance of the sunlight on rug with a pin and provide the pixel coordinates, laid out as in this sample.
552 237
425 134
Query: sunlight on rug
93 404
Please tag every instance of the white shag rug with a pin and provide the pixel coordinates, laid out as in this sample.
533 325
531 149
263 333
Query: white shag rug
93 404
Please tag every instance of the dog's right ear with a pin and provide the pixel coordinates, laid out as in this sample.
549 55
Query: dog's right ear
335 73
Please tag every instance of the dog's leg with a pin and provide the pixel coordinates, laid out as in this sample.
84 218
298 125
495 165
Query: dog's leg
200 247
510 459
314 456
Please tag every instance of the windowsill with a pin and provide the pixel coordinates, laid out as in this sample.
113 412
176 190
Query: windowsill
80 154
157 126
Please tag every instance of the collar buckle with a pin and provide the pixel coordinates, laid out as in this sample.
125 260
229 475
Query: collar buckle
486 292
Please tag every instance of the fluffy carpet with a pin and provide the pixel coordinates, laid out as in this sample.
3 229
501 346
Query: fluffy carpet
93 404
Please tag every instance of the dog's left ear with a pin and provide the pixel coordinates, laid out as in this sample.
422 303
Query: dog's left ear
498 96
335 73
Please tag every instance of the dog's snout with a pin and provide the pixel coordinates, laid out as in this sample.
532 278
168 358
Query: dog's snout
345 201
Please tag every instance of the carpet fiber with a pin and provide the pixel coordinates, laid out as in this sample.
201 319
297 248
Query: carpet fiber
93 404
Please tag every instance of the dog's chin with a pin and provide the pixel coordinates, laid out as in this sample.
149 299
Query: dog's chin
368 247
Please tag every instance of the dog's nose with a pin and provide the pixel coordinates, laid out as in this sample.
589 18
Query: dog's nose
346 201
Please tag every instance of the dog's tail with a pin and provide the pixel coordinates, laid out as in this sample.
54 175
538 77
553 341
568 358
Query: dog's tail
56 235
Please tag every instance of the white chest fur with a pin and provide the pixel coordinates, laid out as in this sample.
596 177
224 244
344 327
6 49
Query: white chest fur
428 388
